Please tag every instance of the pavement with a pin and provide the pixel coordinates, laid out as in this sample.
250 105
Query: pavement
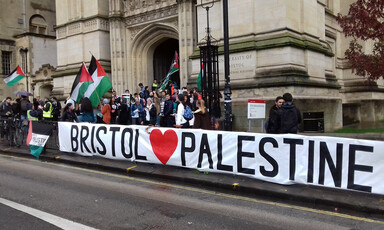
334 199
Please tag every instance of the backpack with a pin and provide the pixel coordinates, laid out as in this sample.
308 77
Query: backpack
23 105
188 115
288 120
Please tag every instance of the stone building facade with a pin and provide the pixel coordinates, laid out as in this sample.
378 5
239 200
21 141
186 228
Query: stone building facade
276 46
82 29
27 38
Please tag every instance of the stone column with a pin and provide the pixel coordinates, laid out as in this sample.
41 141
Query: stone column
118 48
187 32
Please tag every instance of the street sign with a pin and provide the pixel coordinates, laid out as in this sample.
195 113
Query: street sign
256 109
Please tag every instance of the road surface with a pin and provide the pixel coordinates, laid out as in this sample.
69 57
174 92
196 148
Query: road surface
43 195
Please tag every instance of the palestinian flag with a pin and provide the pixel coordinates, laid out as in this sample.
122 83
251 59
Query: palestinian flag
80 85
200 77
101 83
38 135
14 77
174 68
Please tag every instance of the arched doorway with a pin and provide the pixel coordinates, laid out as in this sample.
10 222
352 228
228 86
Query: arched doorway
162 59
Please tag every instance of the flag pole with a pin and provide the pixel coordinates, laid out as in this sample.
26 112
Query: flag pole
94 87
170 69
75 99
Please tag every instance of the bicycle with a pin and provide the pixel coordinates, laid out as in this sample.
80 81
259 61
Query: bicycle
4 128
19 129
7 130
12 129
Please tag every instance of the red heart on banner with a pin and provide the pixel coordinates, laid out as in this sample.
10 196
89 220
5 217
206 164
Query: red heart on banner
163 145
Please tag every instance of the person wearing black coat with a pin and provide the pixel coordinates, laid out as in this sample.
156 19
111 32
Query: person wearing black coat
6 108
168 111
16 107
56 109
114 110
124 113
289 116
273 123
69 113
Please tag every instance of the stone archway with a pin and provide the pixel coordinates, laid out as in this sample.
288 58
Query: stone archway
143 49
162 59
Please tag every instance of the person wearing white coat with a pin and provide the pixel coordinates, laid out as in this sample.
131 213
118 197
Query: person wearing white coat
181 122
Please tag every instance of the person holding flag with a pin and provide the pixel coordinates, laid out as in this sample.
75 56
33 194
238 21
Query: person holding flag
173 69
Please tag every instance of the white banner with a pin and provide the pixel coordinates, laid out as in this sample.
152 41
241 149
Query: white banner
285 159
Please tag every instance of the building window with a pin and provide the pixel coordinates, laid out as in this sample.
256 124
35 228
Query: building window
37 25
6 62
32 29
23 53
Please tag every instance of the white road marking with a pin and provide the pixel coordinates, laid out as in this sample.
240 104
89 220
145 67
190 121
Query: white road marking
55 220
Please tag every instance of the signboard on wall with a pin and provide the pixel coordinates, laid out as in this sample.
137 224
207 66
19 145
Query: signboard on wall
256 109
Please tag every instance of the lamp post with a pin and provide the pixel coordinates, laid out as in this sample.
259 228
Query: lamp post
209 63
208 30
227 88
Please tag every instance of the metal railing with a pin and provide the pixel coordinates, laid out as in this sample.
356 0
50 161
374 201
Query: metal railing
14 132
53 141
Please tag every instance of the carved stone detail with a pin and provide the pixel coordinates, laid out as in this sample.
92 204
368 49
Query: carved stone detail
103 25
90 25
136 29
62 32
83 27
171 11
146 5
74 28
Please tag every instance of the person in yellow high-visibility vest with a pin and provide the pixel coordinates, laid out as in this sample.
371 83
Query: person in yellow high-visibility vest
30 117
34 112
47 110
154 85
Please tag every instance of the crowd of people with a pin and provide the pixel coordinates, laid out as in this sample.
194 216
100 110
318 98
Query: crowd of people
49 109
172 107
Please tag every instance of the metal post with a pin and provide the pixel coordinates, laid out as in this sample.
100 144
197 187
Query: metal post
227 89
24 59
208 29
26 69
262 125
209 59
